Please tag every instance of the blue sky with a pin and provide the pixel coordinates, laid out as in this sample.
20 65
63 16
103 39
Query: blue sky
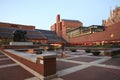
42 13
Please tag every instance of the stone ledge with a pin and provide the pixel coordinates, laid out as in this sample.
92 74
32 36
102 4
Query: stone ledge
21 43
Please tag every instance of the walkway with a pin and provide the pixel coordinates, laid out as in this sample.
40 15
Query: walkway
10 70
83 66
77 66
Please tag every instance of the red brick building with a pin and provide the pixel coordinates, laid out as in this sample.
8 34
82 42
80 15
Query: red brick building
114 17
62 26
109 35
36 36
7 29
17 26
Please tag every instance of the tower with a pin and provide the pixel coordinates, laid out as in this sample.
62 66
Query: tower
58 25
58 18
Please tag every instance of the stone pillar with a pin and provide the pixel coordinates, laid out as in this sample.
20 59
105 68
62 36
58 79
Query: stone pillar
48 65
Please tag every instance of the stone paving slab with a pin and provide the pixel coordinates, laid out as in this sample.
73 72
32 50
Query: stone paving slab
3 56
59 56
10 70
84 59
14 73
63 65
94 73
113 61
4 62
81 67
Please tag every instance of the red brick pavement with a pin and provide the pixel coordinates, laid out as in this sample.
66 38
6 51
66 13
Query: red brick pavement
4 62
94 73
84 59
3 56
12 72
63 65
113 61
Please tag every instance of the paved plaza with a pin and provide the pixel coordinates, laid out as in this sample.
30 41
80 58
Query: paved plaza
76 66
10 70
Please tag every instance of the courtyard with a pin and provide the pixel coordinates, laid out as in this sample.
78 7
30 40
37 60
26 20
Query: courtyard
77 65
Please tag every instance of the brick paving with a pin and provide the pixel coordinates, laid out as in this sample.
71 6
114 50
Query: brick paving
3 56
14 73
113 61
84 59
74 67
94 73
10 70
63 65
4 62
90 68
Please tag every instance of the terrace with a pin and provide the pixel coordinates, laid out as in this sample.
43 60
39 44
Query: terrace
77 65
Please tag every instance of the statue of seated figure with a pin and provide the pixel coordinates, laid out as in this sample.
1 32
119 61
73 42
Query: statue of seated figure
19 36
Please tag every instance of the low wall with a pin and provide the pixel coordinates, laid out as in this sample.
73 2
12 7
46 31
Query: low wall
45 65
19 46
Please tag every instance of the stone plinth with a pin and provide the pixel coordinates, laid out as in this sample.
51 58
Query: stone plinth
48 65
21 43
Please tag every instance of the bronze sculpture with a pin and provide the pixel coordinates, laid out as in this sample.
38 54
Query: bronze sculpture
19 36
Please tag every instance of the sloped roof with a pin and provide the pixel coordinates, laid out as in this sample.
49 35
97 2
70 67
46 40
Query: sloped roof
68 20
8 33
52 36
35 35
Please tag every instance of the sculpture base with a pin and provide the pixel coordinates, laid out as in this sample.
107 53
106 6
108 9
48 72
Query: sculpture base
21 43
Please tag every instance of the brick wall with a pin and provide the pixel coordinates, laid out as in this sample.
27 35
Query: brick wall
17 26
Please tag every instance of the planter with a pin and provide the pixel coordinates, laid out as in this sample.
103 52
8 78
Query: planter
38 52
73 50
87 50
96 53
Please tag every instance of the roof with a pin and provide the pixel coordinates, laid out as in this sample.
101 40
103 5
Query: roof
15 24
8 33
52 36
68 20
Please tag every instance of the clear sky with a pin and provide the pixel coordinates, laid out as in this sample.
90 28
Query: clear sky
42 13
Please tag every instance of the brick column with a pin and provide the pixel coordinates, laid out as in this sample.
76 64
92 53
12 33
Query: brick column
48 65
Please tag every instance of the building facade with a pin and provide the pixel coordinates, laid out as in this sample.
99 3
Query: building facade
37 36
113 18
62 26
76 34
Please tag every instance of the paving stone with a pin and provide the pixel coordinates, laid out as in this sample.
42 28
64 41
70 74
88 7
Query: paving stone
14 73
63 65
3 56
1 53
4 62
94 73
113 61
84 59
